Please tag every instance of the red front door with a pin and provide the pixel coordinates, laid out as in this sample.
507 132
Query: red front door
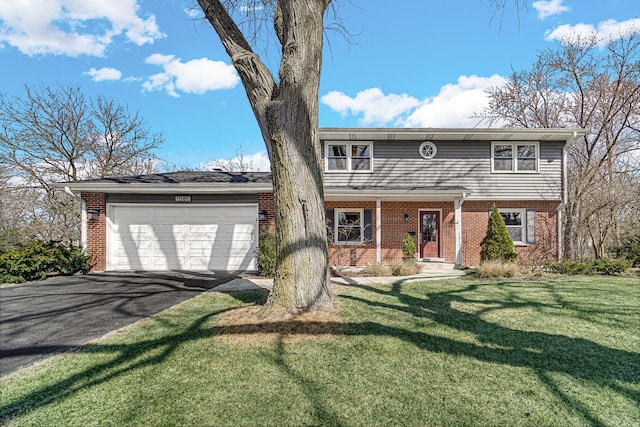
429 234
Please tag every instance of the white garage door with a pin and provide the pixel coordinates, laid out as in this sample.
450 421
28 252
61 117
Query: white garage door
182 237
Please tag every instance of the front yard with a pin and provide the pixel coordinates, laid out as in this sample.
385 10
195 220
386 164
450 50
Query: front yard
459 352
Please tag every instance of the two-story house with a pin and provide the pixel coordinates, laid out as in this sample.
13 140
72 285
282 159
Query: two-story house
436 184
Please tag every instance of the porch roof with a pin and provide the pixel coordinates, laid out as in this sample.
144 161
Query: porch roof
395 193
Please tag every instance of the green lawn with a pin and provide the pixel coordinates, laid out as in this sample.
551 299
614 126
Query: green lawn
447 353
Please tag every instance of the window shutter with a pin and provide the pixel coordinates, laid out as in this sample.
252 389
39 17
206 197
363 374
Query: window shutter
531 226
329 214
368 225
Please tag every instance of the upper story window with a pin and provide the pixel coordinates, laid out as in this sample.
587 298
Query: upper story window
519 157
349 157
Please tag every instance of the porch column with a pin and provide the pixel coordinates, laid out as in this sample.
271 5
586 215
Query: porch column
378 231
457 216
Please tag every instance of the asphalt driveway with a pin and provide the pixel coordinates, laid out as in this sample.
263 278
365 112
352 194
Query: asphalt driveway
42 318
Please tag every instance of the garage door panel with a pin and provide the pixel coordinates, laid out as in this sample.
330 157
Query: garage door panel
169 237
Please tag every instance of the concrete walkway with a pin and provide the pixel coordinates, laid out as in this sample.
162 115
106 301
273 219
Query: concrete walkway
246 284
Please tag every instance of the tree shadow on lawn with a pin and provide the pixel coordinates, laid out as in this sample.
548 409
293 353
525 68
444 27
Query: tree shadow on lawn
543 353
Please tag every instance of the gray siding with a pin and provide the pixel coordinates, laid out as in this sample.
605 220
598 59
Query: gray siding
196 199
458 164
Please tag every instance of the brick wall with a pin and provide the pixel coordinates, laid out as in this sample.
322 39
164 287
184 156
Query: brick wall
475 217
97 230
474 227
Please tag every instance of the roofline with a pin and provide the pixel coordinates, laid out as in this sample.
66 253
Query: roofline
464 134
164 188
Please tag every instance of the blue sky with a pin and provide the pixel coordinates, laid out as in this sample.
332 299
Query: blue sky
419 63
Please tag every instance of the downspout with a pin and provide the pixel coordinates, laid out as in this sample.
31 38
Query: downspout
83 217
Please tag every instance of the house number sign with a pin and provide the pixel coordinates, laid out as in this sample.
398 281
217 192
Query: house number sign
183 199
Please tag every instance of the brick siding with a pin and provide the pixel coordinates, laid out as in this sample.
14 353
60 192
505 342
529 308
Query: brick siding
475 217
97 230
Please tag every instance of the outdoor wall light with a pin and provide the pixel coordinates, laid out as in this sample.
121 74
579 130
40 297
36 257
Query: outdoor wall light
93 214
406 217
262 215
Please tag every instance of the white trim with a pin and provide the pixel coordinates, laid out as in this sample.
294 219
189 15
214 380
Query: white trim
378 231
183 188
83 218
514 158
440 254
451 134
399 194
457 218
336 225
348 158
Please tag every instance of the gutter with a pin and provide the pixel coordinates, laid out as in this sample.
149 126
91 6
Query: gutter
83 217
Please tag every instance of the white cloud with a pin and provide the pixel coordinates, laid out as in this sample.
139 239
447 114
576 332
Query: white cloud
454 105
605 31
549 8
195 76
103 74
73 27
252 162
376 107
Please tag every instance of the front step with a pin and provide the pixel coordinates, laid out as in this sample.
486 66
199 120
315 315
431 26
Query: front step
432 265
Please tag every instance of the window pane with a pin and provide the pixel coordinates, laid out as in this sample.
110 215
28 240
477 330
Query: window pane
512 218
502 151
526 165
516 233
337 151
361 164
349 234
337 164
502 164
526 151
360 151
349 218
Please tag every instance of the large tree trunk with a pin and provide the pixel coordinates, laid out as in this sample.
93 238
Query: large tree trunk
287 113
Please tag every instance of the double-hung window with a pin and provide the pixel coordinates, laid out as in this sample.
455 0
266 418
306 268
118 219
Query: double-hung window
519 157
349 157
521 225
349 226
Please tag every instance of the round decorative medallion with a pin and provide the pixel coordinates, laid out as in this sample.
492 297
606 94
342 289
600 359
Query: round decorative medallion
428 150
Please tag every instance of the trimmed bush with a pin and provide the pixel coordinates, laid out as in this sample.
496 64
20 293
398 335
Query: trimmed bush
408 247
497 245
36 260
606 266
267 253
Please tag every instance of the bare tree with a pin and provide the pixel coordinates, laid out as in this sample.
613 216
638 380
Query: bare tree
594 84
57 135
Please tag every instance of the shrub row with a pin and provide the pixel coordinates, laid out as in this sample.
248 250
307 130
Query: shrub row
36 260
589 266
